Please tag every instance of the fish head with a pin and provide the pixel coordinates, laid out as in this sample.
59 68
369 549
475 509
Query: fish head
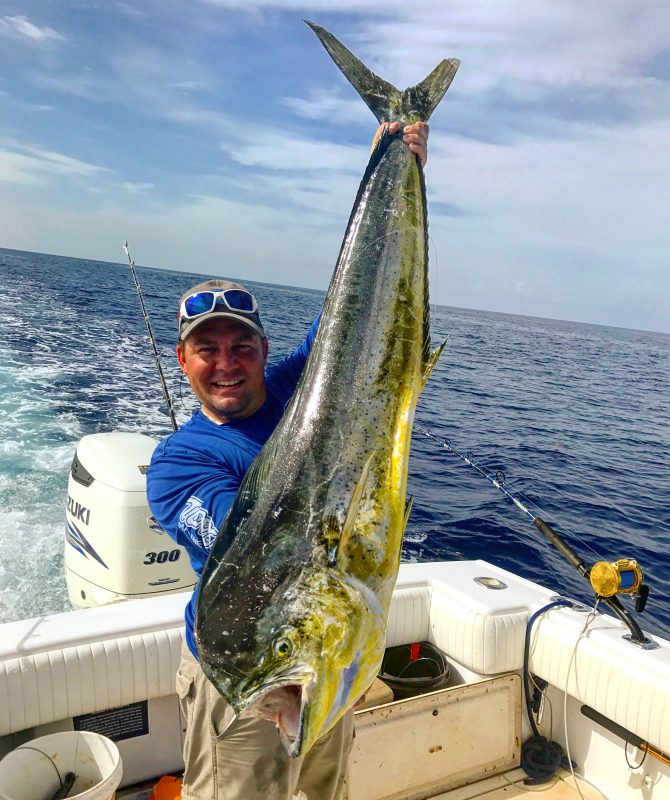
312 654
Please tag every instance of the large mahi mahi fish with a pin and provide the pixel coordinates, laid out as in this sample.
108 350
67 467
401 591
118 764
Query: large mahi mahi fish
291 617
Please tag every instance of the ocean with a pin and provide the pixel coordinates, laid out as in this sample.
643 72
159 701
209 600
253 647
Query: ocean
576 416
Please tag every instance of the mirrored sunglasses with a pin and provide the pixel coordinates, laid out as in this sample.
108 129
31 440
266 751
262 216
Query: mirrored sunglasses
238 300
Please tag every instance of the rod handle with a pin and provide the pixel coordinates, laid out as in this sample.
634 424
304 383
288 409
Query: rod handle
561 545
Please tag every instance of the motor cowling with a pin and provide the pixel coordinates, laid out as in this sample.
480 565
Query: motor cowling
113 548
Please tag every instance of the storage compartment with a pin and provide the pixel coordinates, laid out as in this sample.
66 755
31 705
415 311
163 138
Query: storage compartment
411 669
418 747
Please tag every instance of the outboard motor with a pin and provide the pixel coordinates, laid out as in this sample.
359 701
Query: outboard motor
113 548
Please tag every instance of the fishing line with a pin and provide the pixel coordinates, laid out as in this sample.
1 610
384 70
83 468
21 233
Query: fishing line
499 481
433 280
589 620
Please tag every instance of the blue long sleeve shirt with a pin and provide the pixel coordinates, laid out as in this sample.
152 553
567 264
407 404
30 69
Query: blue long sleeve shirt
195 473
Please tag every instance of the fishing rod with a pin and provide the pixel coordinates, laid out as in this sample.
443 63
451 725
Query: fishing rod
152 341
607 579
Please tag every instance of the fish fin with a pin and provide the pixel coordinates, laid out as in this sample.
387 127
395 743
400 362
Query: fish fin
385 101
408 510
247 494
336 547
430 363
379 95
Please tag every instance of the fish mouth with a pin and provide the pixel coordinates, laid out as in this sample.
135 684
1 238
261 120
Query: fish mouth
283 700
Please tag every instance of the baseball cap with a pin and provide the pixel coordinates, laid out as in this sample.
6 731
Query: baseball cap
217 298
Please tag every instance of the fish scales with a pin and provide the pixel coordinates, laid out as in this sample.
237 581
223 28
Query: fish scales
294 598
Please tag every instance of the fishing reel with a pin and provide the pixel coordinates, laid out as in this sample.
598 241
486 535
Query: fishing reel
607 580
624 576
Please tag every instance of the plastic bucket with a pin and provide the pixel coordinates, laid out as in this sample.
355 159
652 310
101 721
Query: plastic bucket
36 770
411 669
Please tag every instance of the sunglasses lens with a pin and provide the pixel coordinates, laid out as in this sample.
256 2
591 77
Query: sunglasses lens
239 300
199 303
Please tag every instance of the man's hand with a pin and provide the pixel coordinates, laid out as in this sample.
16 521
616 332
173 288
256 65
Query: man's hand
415 136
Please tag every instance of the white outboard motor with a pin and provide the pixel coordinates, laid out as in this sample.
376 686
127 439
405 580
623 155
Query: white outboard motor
113 548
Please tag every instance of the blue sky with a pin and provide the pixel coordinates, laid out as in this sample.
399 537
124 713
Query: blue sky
218 137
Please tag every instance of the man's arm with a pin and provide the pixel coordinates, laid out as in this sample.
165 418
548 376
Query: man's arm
190 494
290 368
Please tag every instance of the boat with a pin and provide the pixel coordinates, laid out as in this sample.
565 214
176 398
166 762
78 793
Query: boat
523 668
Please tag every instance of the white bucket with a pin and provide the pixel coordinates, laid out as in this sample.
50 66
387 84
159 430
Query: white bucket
35 770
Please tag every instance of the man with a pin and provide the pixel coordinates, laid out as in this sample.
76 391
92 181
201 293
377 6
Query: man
193 479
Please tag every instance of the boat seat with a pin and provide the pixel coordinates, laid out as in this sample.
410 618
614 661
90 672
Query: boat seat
482 625
482 629
602 669
45 687
61 666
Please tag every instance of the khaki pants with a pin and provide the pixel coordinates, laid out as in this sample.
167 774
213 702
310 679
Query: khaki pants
243 759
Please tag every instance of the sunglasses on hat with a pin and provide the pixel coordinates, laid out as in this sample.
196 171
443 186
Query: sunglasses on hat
237 300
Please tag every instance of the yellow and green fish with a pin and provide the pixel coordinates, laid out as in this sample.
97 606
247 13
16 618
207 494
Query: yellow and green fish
291 618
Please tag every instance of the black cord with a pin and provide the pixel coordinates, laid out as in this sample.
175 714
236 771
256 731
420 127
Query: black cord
540 758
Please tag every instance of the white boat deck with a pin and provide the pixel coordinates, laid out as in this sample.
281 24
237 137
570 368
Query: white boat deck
460 743
510 786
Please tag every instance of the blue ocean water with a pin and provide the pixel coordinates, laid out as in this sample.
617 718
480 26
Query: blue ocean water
577 417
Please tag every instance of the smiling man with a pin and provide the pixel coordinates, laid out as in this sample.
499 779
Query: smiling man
195 473
224 356
192 481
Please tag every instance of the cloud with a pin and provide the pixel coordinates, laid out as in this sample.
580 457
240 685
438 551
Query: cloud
213 121
30 165
136 188
328 104
126 71
580 222
40 107
86 86
189 86
23 26
548 159
263 148
153 71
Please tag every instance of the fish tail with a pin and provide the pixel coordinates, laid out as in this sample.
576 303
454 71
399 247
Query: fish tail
386 102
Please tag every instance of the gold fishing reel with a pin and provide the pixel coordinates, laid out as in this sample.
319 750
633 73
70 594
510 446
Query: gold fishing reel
623 576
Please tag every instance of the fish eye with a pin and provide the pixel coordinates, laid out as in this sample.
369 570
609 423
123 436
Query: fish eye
283 647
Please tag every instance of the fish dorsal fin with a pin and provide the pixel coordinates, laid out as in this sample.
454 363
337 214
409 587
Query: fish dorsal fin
337 545
430 363
385 101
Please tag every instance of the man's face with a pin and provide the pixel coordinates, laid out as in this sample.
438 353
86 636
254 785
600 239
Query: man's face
224 362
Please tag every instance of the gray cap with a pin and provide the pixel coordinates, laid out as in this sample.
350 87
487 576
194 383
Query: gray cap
249 318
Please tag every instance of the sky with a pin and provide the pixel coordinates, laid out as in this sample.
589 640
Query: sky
217 136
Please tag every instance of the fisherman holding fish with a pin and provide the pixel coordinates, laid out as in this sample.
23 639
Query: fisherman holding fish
193 479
